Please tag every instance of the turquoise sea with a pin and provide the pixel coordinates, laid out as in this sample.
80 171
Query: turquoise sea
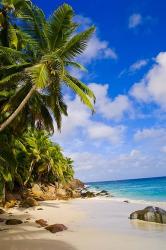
147 189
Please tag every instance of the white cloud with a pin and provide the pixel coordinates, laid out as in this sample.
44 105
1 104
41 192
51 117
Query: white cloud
134 20
93 166
80 120
150 133
86 160
139 92
98 131
153 86
138 65
96 48
111 109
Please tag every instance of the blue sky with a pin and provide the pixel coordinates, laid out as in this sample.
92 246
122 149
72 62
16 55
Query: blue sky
126 61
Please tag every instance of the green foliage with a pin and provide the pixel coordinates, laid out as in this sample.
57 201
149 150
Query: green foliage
32 158
36 55
38 52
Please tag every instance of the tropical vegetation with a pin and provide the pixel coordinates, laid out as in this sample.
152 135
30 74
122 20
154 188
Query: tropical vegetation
36 57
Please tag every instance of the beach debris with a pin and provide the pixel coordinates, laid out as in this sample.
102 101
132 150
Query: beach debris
2 220
2 211
40 208
42 223
56 228
29 202
13 222
150 214
88 194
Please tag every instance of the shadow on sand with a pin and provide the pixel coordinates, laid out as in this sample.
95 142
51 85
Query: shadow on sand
35 244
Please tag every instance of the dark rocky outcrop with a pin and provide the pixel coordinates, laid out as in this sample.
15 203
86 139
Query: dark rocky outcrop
29 197
56 228
151 214
2 211
12 197
29 202
75 184
42 223
103 193
88 194
13 222
46 191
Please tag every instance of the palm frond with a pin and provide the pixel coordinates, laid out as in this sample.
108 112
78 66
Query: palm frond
77 44
16 99
79 92
39 75
11 80
75 65
12 37
40 110
60 26
12 69
34 23
12 55
83 87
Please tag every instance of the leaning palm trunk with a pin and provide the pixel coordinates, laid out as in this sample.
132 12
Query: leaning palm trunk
18 110
51 47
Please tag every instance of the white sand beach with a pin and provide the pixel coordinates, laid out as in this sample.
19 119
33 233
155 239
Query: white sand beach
92 224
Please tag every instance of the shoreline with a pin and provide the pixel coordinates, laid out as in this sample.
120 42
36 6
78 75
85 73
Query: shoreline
92 223
137 201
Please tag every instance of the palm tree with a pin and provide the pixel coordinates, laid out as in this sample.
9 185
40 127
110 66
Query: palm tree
41 69
42 160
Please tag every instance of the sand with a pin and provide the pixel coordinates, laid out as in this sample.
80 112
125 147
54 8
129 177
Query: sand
93 224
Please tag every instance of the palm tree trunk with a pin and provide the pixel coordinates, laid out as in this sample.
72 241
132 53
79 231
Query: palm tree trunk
18 110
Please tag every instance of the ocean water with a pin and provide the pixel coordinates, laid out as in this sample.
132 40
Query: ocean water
146 189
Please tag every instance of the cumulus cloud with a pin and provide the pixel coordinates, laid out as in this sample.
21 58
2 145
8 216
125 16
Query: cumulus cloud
91 166
97 49
99 130
111 109
81 122
153 86
135 20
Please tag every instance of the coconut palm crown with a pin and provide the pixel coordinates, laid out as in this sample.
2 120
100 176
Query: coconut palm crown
36 66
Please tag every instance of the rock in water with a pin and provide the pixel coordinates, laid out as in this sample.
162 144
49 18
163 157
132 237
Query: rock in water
88 194
42 223
151 214
56 228
13 222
